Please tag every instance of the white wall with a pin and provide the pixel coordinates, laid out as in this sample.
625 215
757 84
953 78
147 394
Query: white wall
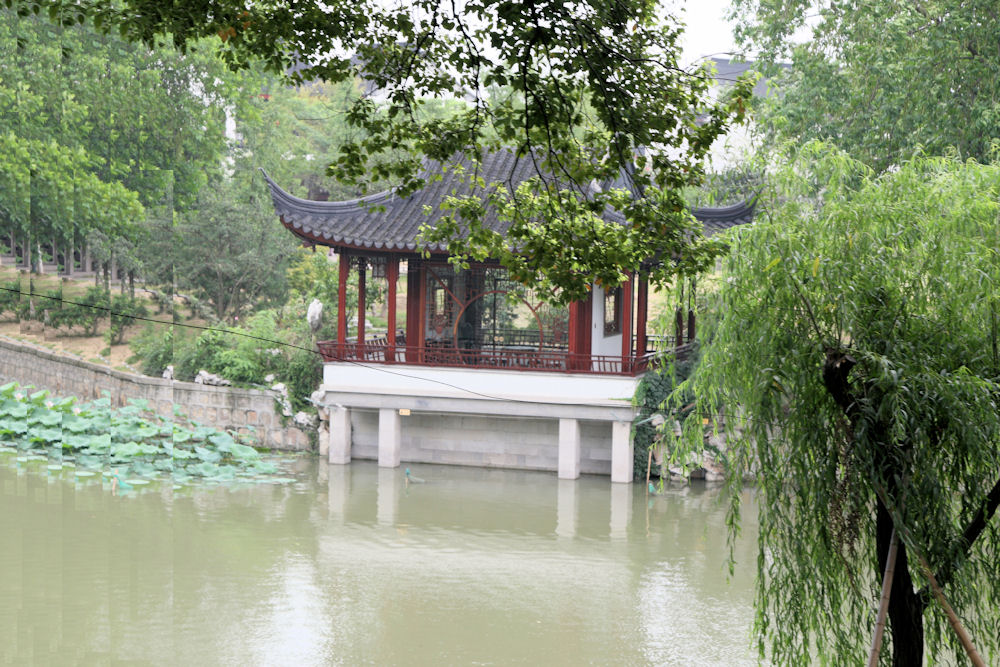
599 343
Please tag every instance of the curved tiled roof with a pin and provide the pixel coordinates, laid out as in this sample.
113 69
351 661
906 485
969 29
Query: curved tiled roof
384 221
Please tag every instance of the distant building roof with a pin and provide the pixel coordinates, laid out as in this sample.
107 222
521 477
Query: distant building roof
727 71
384 221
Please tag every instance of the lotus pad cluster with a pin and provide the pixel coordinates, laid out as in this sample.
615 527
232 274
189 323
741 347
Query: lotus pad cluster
136 443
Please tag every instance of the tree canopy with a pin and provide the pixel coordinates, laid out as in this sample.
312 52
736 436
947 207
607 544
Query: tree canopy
855 358
586 85
883 79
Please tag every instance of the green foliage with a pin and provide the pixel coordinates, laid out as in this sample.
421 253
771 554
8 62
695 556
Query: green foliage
651 397
124 310
133 441
302 374
10 297
883 80
233 251
201 352
264 346
855 356
575 88
46 191
312 275
154 349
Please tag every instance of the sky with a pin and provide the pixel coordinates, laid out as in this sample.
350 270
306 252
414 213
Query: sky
707 33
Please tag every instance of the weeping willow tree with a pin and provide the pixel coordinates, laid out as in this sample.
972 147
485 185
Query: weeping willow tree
855 362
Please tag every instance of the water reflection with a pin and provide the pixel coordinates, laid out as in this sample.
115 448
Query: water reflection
351 565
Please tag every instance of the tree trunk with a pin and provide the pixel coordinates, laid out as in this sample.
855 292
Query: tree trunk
906 607
906 610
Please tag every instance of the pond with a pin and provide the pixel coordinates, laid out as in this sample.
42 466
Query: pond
352 565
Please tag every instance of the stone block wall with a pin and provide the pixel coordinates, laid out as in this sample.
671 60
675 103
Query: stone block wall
222 407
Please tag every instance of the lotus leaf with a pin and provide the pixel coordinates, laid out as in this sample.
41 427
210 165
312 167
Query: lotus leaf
13 426
64 403
46 418
203 432
74 424
15 409
203 469
140 446
243 453
45 435
143 468
126 449
99 443
207 454
140 403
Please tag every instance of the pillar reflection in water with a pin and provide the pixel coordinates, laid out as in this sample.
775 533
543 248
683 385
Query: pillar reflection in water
566 506
622 496
338 485
389 481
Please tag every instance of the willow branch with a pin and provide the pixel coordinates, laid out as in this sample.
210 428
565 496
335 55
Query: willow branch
971 534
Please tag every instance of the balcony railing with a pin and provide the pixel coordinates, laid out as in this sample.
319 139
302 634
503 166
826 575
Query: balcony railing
510 357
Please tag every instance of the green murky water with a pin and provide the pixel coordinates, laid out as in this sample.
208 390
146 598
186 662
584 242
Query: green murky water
349 565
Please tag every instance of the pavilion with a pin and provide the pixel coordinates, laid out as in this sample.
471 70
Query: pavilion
481 368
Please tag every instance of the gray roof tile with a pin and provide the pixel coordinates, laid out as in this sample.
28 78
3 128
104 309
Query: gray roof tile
384 221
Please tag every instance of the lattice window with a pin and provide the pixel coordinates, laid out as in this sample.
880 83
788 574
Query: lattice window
481 308
613 311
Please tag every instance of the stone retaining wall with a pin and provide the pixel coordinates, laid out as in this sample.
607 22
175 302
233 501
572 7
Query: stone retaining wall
222 407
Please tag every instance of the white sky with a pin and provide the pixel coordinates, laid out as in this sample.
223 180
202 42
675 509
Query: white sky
707 32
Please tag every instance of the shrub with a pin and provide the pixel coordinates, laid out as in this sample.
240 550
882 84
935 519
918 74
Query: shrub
154 349
124 310
10 297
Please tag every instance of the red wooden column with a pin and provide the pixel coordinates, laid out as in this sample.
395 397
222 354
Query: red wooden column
580 317
392 276
422 315
345 266
573 345
413 279
362 266
627 325
642 313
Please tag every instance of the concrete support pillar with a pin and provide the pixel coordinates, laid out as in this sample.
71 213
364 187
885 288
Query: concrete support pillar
340 435
323 433
569 449
566 503
389 438
621 452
